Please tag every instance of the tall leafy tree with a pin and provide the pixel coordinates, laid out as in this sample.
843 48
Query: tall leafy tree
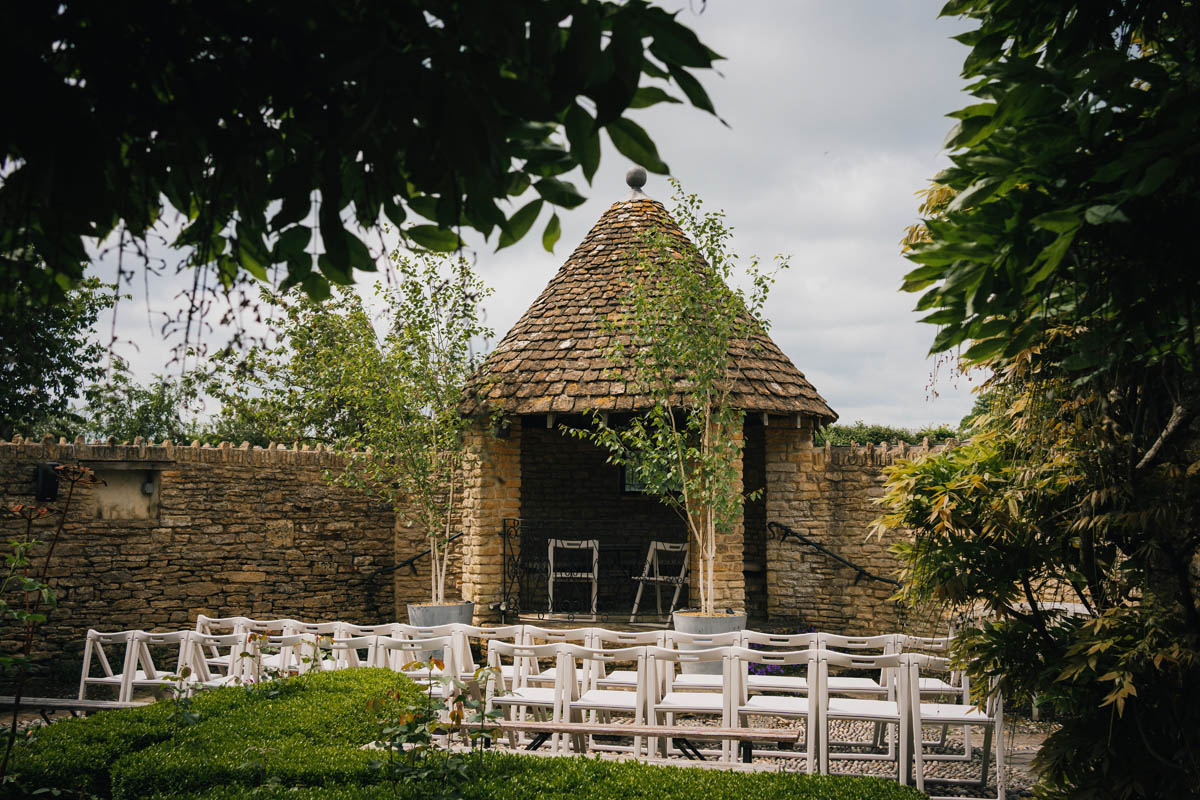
244 118
1058 256
122 408
48 355
385 392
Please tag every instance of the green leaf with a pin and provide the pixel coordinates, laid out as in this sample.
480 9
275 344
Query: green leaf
1059 221
635 144
292 242
651 95
1155 175
692 88
560 193
519 224
584 139
431 237
335 272
552 233
1104 214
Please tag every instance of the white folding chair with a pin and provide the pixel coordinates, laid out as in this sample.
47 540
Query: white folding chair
891 713
603 638
747 703
484 635
145 674
701 675
592 576
237 665
399 655
990 718
669 696
344 652
598 703
786 642
322 632
862 645
653 573
514 695
953 687
532 634
401 630
219 626
351 657
293 654
93 646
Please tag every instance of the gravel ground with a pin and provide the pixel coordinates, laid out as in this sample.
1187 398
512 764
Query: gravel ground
1021 738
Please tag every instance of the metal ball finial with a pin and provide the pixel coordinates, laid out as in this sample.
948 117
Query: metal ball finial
636 178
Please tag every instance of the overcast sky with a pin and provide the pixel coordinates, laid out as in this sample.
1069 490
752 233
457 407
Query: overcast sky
836 117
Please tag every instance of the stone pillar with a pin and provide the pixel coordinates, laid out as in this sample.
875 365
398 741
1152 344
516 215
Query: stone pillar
729 579
791 491
491 494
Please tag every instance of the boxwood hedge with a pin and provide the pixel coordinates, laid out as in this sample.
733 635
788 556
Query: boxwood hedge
301 739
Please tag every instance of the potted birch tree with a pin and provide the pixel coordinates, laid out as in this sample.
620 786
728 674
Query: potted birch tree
674 342
413 454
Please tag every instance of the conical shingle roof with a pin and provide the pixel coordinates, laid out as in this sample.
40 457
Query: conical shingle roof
554 358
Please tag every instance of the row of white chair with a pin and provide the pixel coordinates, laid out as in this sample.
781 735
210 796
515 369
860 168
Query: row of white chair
584 687
246 658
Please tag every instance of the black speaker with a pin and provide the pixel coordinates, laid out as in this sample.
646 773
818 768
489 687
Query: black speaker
45 485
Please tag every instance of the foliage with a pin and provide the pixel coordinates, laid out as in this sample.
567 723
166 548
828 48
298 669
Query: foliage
862 433
410 726
430 114
307 744
324 375
308 733
125 409
674 341
1059 261
47 357
389 402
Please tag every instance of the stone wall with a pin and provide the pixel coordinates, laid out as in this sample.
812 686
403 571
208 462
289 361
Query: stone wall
183 530
491 494
827 495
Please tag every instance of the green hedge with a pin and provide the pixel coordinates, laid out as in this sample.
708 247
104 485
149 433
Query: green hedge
498 776
302 740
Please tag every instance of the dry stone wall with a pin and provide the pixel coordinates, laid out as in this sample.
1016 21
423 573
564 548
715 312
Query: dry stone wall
828 495
217 530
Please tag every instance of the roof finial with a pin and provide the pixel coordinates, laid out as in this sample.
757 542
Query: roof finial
636 178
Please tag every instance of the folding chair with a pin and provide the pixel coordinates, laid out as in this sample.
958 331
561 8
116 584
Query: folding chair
598 703
141 669
746 703
603 638
653 571
532 634
94 645
592 575
889 712
990 718
787 642
218 626
701 675
515 697
237 665
398 654
669 696
466 657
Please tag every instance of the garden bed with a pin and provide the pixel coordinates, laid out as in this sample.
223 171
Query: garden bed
302 739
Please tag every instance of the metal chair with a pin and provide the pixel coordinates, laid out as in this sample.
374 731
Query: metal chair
592 576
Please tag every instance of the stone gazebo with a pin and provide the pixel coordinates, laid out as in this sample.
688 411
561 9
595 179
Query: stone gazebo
529 481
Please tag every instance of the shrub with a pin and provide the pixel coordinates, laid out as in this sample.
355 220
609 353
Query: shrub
301 739
496 776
